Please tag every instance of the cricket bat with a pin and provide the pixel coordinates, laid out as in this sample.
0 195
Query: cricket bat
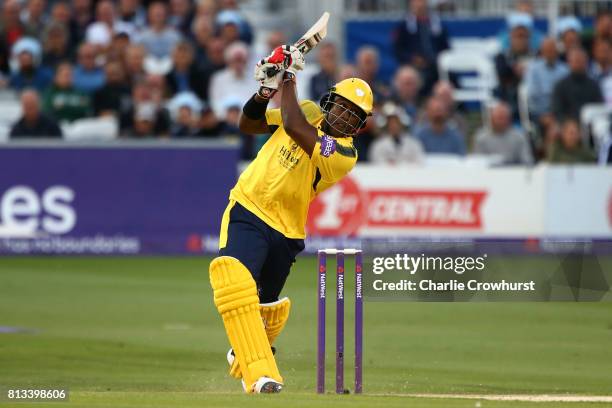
309 40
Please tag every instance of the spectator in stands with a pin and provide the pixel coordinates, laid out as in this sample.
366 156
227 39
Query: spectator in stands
134 63
144 92
185 108
158 87
144 121
602 29
100 32
233 107
11 30
522 10
11 27
56 45
395 145
131 12
214 62
33 123
185 74
62 101
511 64
576 89
209 125
569 148
234 80
28 73
346 71
118 47
82 17
229 11
215 52
541 77
367 65
418 40
436 135
406 86
34 17
228 27
202 30
62 15
327 75
568 31
444 92
159 38
184 124
113 98
276 38
181 16
88 77
601 66
206 8
502 139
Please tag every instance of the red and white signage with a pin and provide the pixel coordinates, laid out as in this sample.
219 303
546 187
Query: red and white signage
463 201
396 201
579 201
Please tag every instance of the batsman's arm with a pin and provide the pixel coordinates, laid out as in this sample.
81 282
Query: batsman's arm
253 118
294 121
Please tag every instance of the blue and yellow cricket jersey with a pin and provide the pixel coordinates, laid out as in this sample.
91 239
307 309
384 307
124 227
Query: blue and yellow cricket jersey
280 183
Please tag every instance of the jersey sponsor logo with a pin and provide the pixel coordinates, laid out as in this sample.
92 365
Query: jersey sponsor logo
328 145
344 209
288 156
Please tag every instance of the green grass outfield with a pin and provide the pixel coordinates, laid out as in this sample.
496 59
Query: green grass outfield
143 332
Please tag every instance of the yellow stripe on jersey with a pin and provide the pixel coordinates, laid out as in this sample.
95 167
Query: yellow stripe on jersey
280 183
225 224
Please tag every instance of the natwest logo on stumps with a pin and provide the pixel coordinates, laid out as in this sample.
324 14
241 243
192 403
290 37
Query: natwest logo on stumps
347 209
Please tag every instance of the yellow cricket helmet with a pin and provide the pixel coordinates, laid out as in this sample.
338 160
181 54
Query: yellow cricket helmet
357 91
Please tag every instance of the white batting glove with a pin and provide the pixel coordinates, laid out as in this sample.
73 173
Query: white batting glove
294 59
269 84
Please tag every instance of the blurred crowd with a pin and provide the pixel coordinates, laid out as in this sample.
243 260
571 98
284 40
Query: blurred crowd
419 116
163 69
183 68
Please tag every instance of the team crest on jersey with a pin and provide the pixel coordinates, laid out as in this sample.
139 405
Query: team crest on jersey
328 146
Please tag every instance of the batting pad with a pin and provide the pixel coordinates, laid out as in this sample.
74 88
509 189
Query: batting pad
235 295
274 316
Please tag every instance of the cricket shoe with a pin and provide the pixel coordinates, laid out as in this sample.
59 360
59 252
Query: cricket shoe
231 357
266 385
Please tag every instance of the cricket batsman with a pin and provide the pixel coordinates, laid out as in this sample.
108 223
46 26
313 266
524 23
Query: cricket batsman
262 229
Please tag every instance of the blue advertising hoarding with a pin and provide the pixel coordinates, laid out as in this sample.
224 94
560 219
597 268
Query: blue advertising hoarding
122 199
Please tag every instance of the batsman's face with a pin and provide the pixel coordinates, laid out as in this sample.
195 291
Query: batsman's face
343 117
